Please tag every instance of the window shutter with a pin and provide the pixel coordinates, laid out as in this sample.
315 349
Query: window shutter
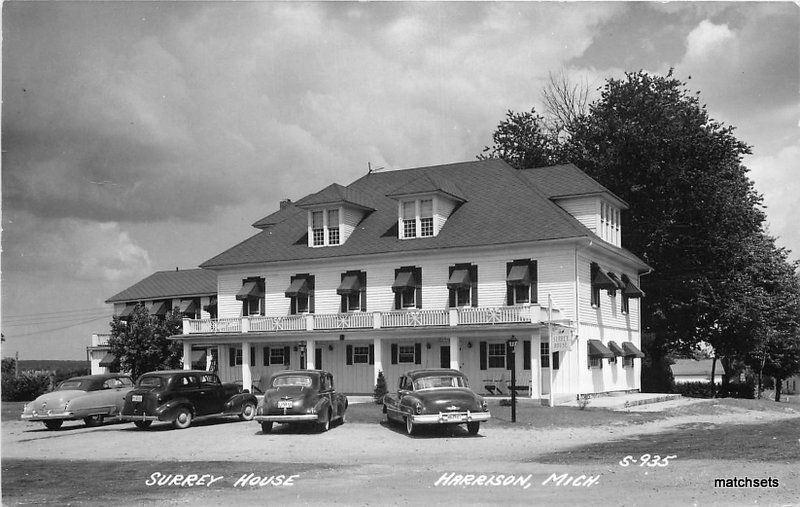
310 281
266 356
244 308
483 355
394 353
372 354
473 277
418 277
526 351
362 277
286 353
343 303
534 271
252 356
396 294
451 300
417 353
232 356
509 287
556 362
349 354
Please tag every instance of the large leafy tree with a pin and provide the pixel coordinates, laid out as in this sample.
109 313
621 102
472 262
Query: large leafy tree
141 342
694 214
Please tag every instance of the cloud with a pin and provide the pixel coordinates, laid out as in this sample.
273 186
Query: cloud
708 41
86 250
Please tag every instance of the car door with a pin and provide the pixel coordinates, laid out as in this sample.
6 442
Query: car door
326 391
212 394
187 386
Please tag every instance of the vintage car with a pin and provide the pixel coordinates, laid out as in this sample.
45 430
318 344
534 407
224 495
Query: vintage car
91 398
301 396
181 396
435 396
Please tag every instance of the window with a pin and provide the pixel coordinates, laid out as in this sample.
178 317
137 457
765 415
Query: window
236 357
544 354
405 354
612 360
463 296
361 355
595 362
333 226
210 380
556 360
407 299
300 304
627 362
409 219
497 355
301 294
353 302
317 228
426 218
353 292
624 305
522 282
522 294
463 285
252 296
407 287
276 355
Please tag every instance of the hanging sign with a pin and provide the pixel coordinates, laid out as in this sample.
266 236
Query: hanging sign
561 338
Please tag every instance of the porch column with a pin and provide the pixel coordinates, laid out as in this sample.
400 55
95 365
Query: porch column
310 353
247 376
376 343
455 355
187 355
536 365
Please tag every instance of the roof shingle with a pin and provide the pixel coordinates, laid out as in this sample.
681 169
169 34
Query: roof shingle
170 284
565 180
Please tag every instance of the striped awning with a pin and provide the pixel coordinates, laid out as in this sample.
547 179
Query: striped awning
350 285
250 289
631 350
188 306
616 349
298 287
519 274
127 311
631 290
159 309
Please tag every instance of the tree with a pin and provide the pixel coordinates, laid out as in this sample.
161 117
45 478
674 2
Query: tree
523 141
141 343
565 102
380 388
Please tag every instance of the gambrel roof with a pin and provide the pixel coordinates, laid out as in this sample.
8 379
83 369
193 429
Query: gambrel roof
500 206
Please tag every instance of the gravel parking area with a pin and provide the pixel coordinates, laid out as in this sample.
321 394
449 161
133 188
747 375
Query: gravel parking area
369 462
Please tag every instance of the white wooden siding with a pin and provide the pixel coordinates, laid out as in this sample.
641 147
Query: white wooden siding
585 209
442 209
348 220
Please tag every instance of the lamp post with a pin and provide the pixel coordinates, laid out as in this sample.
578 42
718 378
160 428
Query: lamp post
512 346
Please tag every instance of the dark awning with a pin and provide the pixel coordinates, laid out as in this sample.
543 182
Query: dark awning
459 279
188 306
212 304
350 285
404 280
519 274
631 290
127 311
250 289
159 308
601 280
616 349
108 360
631 350
597 349
198 356
298 287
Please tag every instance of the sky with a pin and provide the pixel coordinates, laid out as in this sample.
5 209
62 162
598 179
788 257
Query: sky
139 137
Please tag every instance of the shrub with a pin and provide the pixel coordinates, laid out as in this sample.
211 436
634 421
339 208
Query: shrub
26 387
380 389
705 390
583 401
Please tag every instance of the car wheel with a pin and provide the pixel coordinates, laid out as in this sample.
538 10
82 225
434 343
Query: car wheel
94 420
410 426
266 427
142 425
54 424
183 419
248 412
325 425
473 427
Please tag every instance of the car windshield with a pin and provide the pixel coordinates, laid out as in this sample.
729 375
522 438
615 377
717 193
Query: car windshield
292 380
437 381
75 385
150 382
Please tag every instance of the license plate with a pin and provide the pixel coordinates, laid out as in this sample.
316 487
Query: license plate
453 417
284 404
136 398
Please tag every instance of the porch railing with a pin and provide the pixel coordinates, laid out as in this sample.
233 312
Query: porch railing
451 317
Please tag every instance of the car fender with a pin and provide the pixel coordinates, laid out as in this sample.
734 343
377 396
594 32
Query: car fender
237 401
407 404
322 406
168 410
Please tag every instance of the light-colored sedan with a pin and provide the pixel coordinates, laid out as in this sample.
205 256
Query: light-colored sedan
91 398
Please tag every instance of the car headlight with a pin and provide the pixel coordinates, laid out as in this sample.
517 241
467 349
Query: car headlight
419 408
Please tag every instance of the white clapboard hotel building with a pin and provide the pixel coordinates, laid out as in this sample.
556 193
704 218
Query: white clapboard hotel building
432 267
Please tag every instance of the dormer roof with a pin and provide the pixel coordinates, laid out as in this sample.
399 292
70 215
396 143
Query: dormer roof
335 194
565 181
429 183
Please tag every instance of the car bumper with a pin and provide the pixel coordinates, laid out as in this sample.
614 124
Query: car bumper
287 418
450 417
48 417
139 417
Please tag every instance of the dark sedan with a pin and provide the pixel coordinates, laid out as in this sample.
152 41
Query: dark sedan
180 396
301 396
435 396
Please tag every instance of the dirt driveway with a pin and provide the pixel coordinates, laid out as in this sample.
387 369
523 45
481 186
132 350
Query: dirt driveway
364 462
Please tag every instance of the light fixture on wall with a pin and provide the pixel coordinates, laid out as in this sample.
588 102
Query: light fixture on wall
469 345
330 347
341 337
427 345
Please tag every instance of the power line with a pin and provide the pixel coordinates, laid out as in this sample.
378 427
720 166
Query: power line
52 320
60 328
39 314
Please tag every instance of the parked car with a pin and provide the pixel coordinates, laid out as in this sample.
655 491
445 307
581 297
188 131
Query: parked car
301 396
181 396
435 396
91 398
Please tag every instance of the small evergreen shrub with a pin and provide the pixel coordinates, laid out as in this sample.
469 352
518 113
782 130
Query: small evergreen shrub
380 389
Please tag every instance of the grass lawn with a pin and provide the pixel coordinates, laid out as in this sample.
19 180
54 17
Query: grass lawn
11 410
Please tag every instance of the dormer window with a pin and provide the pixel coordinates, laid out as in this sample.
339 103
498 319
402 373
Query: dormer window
318 228
324 227
609 223
333 226
426 218
416 217
409 219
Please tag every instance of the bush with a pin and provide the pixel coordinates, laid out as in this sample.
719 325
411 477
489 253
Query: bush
380 389
705 390
26 387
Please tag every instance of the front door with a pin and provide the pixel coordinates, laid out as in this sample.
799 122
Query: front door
318 358
444 356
